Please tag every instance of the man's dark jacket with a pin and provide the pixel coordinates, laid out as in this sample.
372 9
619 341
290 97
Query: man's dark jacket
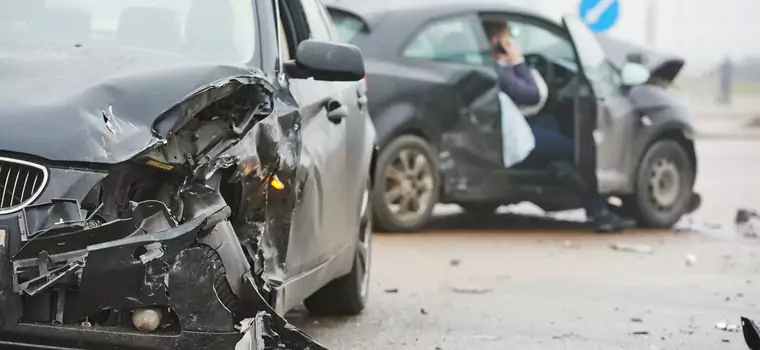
517 82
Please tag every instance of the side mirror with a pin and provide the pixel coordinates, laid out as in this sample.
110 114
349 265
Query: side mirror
634 74
327 61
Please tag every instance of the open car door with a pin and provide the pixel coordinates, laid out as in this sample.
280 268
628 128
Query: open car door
602 112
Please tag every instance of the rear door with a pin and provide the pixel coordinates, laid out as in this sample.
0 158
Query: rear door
315 236
455 48
603 113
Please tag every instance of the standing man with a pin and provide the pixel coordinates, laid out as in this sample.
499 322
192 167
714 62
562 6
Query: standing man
551 146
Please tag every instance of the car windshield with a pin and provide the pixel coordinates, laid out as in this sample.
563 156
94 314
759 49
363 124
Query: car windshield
215 30
348 26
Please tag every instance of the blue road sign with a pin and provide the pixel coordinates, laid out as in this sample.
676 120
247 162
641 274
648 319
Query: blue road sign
599 15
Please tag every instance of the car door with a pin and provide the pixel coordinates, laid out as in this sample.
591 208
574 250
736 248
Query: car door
455 48
603 113
318 217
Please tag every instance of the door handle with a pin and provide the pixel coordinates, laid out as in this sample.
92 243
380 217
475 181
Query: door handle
336 111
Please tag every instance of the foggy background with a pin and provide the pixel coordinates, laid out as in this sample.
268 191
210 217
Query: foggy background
704 32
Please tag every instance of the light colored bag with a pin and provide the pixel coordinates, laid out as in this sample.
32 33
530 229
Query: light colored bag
517 137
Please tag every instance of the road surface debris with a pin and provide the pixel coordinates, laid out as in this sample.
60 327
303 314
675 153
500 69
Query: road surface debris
690 259
723 326
632 248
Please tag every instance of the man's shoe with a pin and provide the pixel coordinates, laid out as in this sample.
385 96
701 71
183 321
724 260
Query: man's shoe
607 221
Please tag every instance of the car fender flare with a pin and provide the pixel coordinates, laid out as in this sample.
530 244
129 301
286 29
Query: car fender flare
671 128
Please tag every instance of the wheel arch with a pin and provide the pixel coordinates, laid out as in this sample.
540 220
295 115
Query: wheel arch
398 119
677 131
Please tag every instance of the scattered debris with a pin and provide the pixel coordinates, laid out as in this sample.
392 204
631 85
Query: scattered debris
636 320
689 225
423 311
632 248
725 340
391 290
570 244
455 262
566 335
728 299
486 337
471 290
640 333
690 259
745 223
723 326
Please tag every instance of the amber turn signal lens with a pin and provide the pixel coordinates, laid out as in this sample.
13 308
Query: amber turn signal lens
276 183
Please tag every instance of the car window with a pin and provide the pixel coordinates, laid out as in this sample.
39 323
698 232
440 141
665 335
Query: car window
536 39
590 51
597 68
452 39
348 26
317 25
212 30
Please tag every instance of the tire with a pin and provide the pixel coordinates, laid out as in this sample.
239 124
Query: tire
221 286
655 206
479 209
348 295
426 185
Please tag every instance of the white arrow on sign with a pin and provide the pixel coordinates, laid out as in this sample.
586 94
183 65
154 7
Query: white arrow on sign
592 16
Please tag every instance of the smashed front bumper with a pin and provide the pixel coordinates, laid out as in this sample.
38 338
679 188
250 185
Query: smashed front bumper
69 286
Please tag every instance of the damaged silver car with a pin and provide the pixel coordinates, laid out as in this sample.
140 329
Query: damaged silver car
171 169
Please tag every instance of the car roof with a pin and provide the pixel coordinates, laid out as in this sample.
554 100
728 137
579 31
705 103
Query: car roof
371 10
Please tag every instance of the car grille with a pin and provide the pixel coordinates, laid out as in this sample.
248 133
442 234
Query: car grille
21 183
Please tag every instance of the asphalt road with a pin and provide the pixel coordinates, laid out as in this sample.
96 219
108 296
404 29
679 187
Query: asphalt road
526 282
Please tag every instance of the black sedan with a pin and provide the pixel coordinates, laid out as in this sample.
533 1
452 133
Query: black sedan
434 100
170 171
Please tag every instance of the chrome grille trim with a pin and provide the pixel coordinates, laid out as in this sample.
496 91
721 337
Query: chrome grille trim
16 170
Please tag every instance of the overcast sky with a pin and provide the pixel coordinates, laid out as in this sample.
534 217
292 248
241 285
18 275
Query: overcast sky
703 31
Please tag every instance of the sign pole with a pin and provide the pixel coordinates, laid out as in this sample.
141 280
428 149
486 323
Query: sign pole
651 23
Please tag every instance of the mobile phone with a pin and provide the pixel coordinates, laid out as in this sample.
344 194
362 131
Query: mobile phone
499 48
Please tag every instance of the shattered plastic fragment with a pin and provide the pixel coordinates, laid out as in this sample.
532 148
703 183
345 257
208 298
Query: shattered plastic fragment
745 223
723 326
690 259
486 337
632 248
153 252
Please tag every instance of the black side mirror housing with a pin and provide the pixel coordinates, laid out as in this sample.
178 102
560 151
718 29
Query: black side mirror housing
327 61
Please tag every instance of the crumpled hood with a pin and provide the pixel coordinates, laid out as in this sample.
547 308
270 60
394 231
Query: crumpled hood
661 64
53 100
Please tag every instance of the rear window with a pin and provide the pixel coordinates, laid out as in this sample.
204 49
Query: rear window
348 25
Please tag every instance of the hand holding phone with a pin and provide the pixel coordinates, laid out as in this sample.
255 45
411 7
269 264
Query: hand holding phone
499 48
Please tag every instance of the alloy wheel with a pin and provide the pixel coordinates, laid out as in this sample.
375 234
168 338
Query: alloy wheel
409 184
